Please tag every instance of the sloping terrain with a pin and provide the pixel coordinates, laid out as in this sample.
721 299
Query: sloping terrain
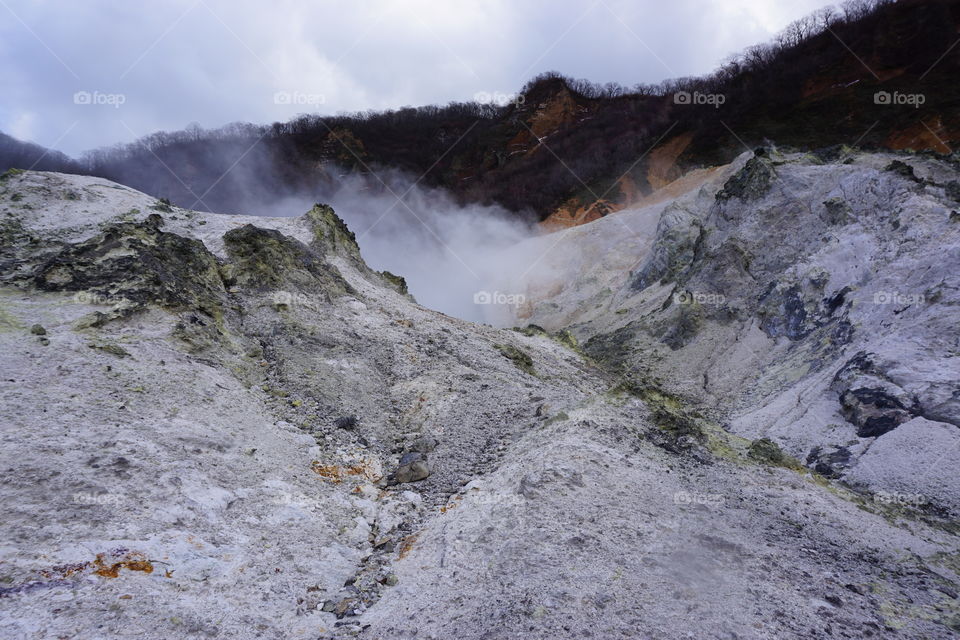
813 300
226 426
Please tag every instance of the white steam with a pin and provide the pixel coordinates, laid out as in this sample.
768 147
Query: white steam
450 255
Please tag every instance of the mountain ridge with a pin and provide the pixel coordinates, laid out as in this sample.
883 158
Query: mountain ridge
590 149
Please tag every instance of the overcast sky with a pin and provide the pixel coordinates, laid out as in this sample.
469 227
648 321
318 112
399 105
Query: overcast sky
81 74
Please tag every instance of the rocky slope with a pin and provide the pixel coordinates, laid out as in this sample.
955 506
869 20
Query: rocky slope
228 426
810 299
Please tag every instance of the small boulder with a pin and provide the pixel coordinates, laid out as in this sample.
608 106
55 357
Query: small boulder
873 411
413 468
391 580
154 220
38 330
345 422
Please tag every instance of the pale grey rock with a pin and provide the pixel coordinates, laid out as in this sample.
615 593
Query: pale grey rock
760 289
919 449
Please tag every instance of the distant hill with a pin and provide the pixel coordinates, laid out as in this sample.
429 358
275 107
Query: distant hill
874 74
26 155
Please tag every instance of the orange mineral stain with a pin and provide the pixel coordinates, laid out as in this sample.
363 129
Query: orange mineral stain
132 562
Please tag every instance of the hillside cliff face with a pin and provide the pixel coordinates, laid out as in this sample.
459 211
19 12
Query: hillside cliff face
227 426
808 299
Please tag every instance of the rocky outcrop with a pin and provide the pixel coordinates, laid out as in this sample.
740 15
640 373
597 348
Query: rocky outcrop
752 181
873 411
678 235
265 259
804 298
136 263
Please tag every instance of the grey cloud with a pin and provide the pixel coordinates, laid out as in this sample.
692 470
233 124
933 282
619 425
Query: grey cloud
217 61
